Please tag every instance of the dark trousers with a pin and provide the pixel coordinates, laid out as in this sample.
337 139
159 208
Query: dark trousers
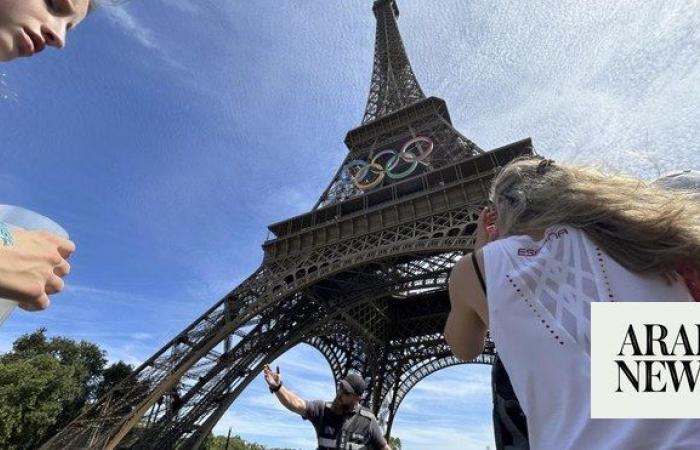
509 423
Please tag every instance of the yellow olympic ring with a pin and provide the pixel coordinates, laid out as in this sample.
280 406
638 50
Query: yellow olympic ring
360 170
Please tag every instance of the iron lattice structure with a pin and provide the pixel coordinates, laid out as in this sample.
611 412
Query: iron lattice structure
362 278
393 84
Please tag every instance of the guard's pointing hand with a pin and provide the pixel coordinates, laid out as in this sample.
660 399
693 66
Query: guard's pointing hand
272 379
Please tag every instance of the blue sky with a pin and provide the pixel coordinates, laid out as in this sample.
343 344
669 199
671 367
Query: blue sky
170 133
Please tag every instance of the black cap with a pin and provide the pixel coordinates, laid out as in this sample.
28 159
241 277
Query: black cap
353 384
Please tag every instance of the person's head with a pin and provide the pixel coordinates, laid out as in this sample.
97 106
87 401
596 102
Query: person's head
28 26
349 392
645 228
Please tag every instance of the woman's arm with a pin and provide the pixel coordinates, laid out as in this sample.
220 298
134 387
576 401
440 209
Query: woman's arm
465 330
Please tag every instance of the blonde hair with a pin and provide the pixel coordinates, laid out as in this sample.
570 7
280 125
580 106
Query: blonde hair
646 229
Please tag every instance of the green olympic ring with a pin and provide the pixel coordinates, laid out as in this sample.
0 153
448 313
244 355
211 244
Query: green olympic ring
367 175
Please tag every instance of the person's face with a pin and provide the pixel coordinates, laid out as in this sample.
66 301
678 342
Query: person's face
28 26
347 401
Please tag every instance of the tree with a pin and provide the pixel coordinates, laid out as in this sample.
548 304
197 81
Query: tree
32 395
395 443
111 376
44 383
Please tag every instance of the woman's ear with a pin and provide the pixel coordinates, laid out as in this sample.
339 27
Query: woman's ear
492 230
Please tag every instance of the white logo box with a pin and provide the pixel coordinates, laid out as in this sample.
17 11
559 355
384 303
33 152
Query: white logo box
610 322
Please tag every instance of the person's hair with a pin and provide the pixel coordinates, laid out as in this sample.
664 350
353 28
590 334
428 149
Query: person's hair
646 229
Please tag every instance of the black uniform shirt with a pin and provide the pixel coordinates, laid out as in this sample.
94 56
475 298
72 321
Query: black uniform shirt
329 424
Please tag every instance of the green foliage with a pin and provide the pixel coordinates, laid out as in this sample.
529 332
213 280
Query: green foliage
32 395
395 443
111 376
44 383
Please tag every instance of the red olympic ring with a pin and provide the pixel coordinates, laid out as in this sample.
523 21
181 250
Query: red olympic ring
367 175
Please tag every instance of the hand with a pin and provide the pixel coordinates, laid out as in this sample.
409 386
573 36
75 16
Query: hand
273 379
486 228
33 268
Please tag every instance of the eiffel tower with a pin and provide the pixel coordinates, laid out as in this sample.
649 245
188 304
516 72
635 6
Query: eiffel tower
362 277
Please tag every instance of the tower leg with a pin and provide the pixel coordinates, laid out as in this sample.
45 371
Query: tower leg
390 419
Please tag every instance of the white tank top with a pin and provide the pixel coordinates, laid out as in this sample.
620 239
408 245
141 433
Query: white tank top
539 295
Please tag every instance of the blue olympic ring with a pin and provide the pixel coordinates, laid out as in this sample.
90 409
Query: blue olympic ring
367 175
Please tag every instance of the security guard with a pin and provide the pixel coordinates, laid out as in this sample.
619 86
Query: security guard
342 424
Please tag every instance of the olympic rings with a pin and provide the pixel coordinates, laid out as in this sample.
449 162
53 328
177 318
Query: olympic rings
423 154
360 178
367 175
394 161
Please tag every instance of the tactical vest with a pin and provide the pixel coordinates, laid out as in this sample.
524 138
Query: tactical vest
353 435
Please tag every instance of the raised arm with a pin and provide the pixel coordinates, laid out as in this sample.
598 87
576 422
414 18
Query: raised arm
289 399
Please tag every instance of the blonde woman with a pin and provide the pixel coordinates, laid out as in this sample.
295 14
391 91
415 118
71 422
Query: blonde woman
567 237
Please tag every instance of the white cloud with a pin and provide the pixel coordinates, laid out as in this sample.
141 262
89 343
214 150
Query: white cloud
278 426
141 336
132 27
589 83
451 389
457 437
186 6
7 93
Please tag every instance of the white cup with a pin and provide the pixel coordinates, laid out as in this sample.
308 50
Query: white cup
20 218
